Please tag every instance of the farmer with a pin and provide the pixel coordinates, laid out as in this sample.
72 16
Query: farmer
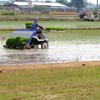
38 28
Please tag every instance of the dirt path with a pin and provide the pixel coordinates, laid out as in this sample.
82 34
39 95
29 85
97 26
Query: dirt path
57 65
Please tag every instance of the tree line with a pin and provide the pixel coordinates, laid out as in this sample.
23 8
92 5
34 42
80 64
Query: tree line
74 3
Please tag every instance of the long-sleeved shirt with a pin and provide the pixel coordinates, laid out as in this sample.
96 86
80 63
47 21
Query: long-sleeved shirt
35 25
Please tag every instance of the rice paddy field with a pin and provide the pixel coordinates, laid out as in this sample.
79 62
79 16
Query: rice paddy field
64 46
52 83
63 24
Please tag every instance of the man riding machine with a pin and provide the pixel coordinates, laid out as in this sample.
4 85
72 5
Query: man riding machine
38 38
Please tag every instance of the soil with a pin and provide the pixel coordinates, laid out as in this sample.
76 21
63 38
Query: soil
53 65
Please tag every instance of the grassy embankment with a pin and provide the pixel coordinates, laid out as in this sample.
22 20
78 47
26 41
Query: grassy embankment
80 83
32 16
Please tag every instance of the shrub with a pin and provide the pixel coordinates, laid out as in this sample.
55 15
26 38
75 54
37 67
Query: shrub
7 13
28 25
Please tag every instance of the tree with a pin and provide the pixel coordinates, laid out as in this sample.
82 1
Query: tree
48 1
65 2
85 3
78 4
97 3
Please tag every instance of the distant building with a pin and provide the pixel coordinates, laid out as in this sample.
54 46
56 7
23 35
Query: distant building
20 0
44 7
50 6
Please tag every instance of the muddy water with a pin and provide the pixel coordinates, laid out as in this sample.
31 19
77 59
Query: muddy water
61 49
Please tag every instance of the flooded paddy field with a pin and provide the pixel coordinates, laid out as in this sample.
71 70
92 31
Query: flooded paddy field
63 24
66 46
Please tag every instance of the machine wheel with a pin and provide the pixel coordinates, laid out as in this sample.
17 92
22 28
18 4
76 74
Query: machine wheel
44 45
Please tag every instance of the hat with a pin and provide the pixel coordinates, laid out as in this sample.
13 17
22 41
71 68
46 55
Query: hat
35 19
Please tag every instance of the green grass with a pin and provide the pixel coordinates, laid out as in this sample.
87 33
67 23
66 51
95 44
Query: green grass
5 32
51 84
